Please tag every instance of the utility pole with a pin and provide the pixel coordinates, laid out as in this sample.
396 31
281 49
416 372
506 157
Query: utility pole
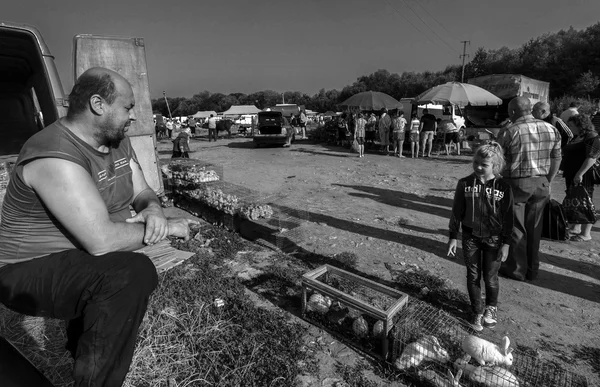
463 56
168 108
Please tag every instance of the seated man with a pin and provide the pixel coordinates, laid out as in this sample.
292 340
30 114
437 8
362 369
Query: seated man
67 236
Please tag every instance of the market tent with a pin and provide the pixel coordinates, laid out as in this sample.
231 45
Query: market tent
204 114
329 113
238 110
372 100
457 93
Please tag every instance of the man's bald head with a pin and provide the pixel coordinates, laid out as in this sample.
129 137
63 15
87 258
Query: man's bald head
95 81
519 107
541 110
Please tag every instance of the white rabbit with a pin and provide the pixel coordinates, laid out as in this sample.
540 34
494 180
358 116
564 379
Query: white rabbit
427 347
483 351
439 381
489 376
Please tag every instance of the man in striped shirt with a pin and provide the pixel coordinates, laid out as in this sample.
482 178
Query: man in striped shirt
532 153
596 117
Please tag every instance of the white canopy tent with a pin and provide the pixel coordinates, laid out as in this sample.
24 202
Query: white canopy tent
239 110
204 114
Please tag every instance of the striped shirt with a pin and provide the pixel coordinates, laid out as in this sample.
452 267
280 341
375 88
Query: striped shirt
596 121
360 127
529 145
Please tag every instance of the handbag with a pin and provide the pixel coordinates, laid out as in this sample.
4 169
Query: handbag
554 224
578 206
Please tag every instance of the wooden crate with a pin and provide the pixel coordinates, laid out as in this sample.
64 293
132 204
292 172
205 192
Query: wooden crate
310 281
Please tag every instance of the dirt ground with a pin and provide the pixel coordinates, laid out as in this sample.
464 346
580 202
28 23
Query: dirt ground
392 212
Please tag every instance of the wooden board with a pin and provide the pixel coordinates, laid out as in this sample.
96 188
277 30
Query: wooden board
164 256
127 56
145 149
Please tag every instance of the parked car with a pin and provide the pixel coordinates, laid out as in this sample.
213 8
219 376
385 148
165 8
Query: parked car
273 128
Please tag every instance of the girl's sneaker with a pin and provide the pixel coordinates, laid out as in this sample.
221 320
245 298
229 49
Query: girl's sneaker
490 316
476 324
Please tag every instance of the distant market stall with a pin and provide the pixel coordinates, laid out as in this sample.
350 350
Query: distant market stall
241 110
204 114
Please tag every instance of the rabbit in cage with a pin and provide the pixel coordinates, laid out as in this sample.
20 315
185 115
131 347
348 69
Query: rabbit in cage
485 352
489 376
427 347
438 380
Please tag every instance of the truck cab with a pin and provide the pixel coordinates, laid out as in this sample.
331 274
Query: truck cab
32 96
452 113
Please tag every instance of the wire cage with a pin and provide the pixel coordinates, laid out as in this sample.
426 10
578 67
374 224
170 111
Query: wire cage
428 346
359 310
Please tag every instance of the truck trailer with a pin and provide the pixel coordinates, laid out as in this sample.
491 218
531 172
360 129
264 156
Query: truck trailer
486 120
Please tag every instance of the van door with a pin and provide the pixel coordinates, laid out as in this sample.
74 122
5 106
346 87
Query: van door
127 56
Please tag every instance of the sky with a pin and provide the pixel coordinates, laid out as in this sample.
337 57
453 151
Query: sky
246 46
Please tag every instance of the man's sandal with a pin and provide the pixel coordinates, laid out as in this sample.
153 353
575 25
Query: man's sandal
579 238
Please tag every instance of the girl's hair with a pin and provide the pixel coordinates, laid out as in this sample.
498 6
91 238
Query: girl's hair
493 151
582 121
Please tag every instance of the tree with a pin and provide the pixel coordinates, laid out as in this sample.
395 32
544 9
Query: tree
586 84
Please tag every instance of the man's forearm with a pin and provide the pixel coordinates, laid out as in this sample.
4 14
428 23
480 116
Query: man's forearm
118 236
145 199
554 164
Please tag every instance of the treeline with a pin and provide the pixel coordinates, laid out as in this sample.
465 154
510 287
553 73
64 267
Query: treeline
568 59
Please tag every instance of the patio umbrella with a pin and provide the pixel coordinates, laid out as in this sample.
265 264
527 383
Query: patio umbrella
457 93
372 100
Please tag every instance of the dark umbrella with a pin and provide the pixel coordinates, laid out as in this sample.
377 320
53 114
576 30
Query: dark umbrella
372 100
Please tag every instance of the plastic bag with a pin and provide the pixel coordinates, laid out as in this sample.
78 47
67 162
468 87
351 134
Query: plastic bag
355 146
578 207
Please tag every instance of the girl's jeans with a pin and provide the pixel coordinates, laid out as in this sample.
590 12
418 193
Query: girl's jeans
481 258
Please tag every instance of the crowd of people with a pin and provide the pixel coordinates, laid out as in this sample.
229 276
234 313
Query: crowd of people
499 207
391 129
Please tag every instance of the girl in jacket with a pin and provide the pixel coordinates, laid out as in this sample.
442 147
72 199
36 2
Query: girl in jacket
483 209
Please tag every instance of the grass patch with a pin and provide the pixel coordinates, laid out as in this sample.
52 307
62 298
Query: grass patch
354 376
187 340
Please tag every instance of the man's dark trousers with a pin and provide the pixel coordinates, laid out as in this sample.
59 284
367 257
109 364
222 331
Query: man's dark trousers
531 195
103 298
212 134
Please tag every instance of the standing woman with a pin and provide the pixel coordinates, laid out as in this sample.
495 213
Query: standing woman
578 158
415 125
359 134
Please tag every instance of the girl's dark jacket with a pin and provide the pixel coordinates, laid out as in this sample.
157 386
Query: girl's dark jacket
483 209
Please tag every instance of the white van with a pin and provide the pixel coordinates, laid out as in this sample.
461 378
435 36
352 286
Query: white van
446 112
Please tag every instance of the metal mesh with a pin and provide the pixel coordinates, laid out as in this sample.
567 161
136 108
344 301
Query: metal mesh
365 294
427 343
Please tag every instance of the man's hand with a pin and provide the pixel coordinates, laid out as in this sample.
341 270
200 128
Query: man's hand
452 248
180 227
156 228
503 253
577 178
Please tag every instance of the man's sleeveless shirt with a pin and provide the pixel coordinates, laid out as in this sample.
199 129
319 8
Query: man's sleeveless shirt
28 230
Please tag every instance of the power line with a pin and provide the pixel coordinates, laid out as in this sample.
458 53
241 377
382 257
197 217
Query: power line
409 22
436 20
427 25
